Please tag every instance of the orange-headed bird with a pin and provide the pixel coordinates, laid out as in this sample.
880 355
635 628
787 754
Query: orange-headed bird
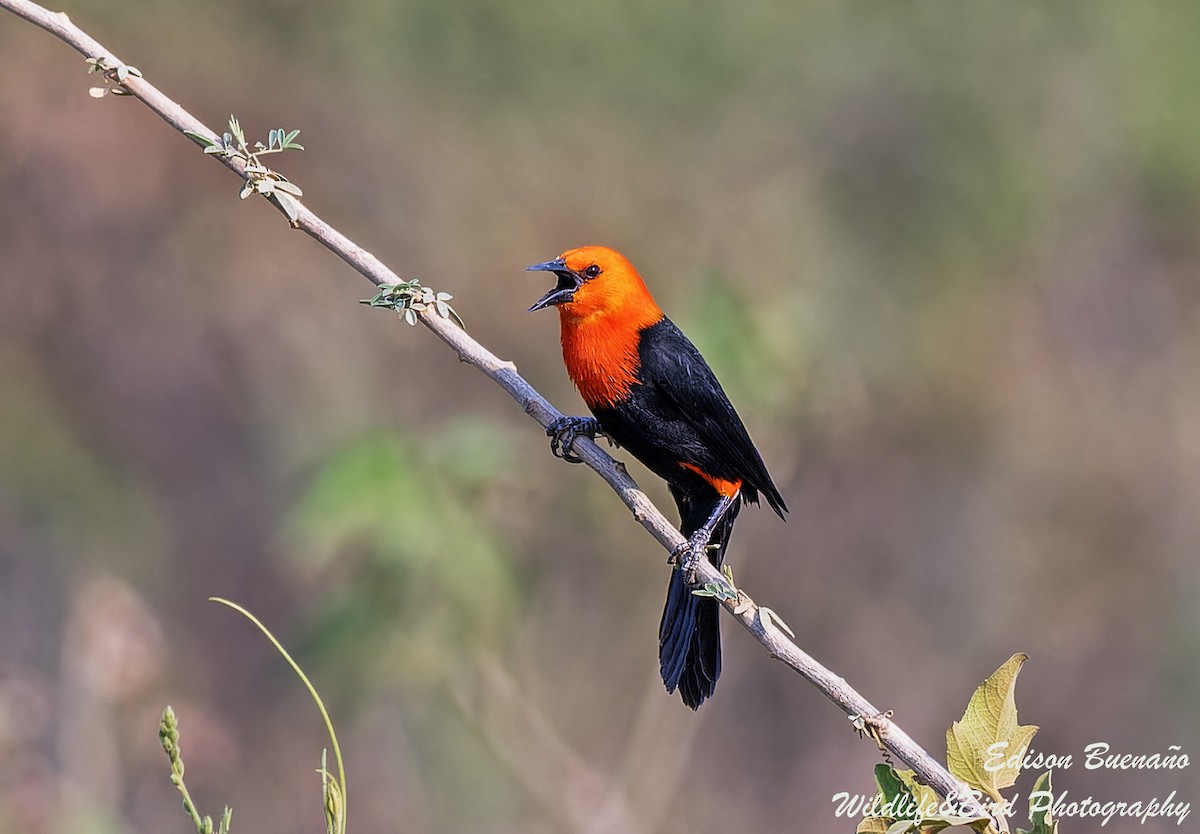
652 393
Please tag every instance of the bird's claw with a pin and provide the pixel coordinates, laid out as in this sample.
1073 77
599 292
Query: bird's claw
564 430
686 557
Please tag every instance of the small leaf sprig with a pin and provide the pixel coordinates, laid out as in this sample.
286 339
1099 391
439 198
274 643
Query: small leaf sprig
721 593
332 802
333 786
115 76
168 734
1041 816
409 298
990 718
741 603
260 179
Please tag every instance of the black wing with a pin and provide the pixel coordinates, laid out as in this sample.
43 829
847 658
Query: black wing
673 367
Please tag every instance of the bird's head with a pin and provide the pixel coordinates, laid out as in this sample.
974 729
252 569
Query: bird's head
596 280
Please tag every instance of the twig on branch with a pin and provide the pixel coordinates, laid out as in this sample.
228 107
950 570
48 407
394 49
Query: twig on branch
757 620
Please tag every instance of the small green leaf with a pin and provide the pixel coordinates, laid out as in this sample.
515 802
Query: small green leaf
990 718
769 616
925 796
896 803
715 591
289 205
927 800
901 793
890 785
1041 799
200 139
237 134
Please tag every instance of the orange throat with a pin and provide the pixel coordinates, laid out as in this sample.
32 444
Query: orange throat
601 355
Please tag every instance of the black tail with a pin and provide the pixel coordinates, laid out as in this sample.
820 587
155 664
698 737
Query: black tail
689 636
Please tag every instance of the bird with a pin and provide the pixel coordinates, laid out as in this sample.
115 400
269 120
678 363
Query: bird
651 392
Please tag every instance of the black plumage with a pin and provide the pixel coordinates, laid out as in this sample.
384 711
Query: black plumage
678 414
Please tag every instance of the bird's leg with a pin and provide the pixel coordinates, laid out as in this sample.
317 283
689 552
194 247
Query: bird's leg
687 556
564 430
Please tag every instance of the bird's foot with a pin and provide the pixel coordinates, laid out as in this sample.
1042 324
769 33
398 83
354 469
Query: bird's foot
564 430
687 556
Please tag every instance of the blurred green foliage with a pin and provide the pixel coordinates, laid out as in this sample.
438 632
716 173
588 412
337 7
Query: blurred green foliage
428 578
81 502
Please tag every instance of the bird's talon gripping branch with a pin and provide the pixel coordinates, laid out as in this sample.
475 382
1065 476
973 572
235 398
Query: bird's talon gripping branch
676 557
564 430
687 556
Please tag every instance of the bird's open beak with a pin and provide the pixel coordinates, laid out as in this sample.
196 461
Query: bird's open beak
568 283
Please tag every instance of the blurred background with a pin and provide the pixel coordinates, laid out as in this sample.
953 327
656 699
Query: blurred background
943 257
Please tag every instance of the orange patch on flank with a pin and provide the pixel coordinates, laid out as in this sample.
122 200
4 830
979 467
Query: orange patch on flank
722 486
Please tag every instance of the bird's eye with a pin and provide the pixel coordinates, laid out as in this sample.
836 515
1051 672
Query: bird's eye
592 271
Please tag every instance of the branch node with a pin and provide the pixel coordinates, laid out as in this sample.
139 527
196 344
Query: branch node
876 726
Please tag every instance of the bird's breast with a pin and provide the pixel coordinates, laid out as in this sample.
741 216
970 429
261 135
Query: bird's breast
602 360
